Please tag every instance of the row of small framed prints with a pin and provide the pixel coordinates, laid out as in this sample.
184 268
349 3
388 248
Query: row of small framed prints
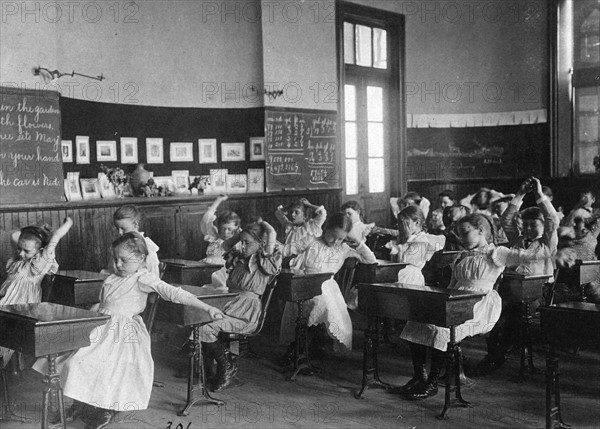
106 150
218 182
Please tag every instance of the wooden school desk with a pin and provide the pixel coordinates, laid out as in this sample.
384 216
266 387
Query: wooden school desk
75 288
186 272
570 324
299 287
438 306
46 330
188 316
520 289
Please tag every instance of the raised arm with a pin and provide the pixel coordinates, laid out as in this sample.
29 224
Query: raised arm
207 225
281 217
551 221
60 232
271 237
509 217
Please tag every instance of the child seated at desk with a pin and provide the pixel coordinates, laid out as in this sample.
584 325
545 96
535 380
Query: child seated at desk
413 245
477 269
251 268
128 219
34 258
359 231
321 255
306 220
538 236
217 229
116 371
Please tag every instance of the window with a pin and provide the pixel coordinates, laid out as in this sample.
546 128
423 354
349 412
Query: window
370 55
586 68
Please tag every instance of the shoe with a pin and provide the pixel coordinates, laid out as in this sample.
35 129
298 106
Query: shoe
424 390
488 365
102 420
75 410
226 369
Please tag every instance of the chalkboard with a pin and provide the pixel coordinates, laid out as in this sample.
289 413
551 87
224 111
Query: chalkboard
30 154
301 149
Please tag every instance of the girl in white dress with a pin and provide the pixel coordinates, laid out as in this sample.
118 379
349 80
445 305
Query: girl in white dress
33 260
116 371
476 269
128 219
322 255
306 220
360 230
413 245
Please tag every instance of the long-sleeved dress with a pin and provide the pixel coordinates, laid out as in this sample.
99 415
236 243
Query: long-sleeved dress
249 277
312 227
329 308
416 251
24 283
475 270
116 371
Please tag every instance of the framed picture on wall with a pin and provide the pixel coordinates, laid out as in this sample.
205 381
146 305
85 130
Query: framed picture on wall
237 183
256 180
257 148
218 181
129 150
181 180
82 146
67 150
233 152
106 150
154 151
182 152
72 187
90 189
207 149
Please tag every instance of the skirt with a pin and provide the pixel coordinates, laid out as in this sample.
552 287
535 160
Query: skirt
115 372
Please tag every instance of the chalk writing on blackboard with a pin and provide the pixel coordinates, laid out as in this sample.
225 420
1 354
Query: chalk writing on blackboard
301 150
30 155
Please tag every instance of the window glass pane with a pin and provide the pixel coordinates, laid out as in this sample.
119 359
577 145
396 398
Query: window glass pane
379 48
374 103
589 40
351 140
587 118
376 175
350 102
376 139
348 43
363 46
351 177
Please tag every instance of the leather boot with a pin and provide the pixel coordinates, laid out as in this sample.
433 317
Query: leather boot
430 387
226 369
418 354
103 419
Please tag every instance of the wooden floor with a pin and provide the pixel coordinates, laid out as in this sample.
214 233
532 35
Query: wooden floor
264 399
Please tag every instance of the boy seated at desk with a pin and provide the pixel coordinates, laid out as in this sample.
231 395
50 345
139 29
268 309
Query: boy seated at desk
538 233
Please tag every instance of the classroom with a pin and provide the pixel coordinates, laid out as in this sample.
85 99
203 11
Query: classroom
299 213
